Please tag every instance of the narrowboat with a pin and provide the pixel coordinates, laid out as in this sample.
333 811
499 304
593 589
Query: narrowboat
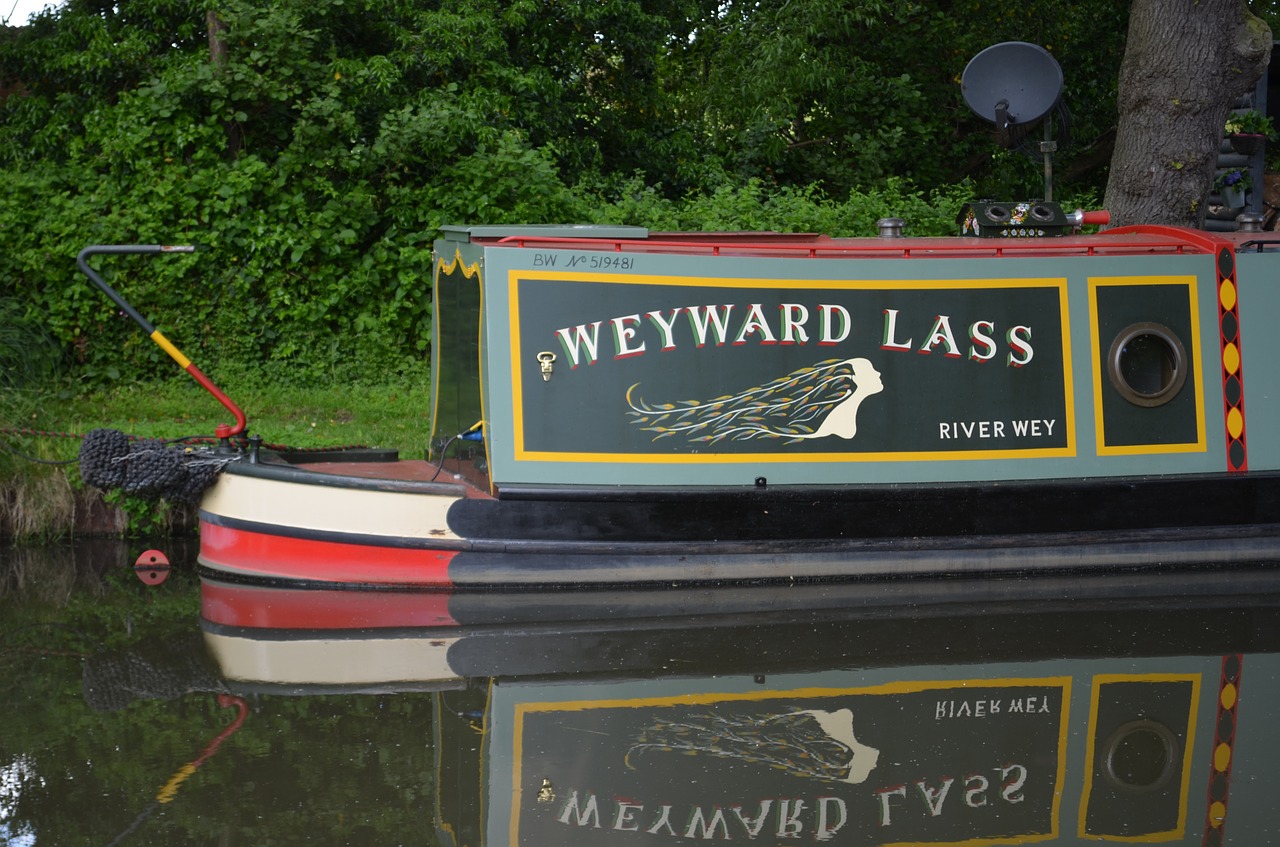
1068 709
613 406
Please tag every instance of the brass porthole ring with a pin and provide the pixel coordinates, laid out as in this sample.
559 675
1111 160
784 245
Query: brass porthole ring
1147 364
1140 757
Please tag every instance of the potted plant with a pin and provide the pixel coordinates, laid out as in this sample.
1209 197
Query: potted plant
1248 130
1232 184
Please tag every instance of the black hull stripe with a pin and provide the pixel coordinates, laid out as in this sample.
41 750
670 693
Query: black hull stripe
765 516
486 571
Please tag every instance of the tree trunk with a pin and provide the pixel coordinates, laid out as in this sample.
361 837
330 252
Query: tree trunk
217 38
1185 65
218 58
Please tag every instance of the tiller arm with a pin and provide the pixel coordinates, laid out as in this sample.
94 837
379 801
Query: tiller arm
82 262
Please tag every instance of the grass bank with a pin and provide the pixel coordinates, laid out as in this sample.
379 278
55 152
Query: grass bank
41 501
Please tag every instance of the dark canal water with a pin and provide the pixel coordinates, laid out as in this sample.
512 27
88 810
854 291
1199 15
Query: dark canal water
1138 706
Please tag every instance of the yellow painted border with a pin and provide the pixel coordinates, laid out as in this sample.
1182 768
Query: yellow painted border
517 389
1191 281
1157 837
914 687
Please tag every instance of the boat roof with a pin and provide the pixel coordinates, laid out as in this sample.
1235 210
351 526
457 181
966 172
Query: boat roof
1134 240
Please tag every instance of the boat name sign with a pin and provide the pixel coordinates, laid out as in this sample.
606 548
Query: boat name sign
652 366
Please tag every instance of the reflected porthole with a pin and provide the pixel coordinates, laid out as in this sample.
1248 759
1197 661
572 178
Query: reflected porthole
1140 756
1147 364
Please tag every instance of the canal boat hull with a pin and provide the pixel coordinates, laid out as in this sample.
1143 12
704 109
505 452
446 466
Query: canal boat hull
616 407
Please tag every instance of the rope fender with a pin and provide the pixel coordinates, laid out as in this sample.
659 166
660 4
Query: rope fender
148 467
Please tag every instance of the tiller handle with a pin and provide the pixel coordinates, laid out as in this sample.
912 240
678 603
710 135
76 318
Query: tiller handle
82 262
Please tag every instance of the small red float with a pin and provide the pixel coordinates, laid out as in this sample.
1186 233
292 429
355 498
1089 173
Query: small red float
152 567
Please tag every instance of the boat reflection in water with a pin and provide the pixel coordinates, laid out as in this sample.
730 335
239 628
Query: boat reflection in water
1134 707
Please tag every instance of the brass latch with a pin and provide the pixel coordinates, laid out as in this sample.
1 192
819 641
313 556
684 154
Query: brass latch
547 792
545 360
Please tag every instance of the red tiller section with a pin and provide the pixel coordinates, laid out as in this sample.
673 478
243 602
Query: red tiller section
222 430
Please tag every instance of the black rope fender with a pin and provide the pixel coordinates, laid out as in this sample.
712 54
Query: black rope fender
178 470
148 467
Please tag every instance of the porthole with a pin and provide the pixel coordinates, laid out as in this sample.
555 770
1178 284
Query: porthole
1147 364
1043 214
1140 757
999 214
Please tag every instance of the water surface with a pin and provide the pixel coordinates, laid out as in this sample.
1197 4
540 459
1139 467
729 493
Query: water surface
1139 705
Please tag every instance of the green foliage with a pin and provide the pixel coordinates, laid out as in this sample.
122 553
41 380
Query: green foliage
1249 122
319 149
29 358
317 176
756 206
147 518
852 93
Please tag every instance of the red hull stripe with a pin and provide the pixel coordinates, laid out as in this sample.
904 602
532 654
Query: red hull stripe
260 554
254 607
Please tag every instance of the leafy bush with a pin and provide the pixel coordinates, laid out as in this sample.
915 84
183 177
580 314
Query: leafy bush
758 207
318 152
29 358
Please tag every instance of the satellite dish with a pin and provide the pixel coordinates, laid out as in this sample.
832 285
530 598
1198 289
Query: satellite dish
1012 84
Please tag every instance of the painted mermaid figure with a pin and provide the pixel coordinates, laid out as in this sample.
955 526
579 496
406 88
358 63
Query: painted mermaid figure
813 402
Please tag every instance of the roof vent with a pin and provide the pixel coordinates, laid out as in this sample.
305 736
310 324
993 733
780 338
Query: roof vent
890 227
